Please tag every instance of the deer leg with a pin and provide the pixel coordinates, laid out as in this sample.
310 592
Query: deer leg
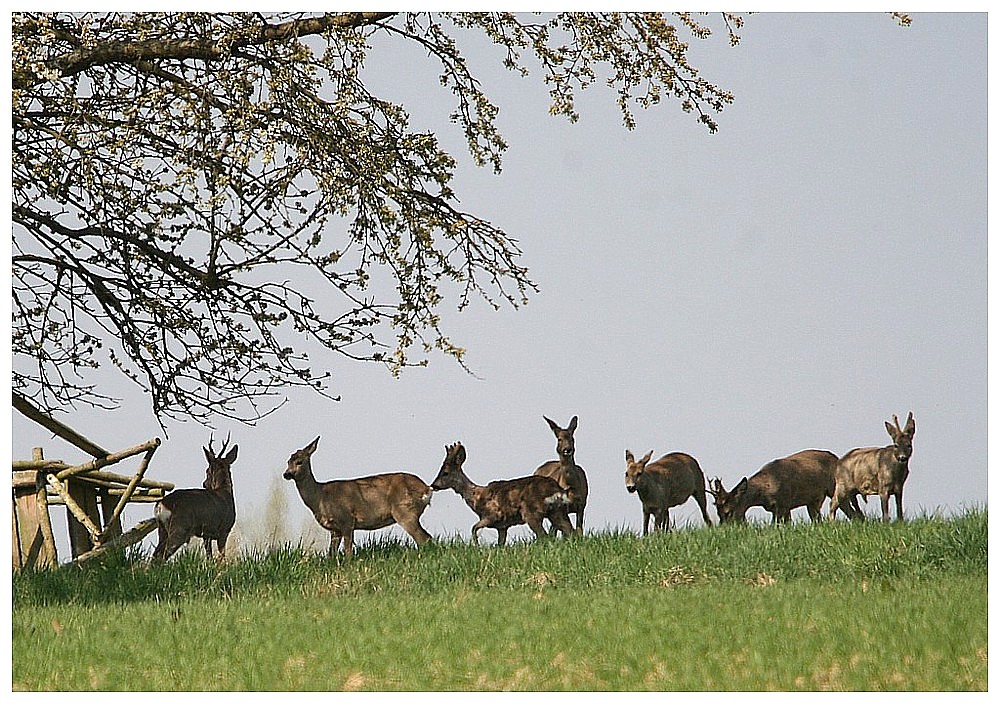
834 505
857 513
884 499
579 521
173 543
335 539
501 537
482 523
645 520
813 510
899 504
699 497
161 542
208 547
415 531
562 521
409 520
348 544
221 543
535 523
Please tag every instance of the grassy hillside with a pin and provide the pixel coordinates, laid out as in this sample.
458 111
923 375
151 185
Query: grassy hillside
800 607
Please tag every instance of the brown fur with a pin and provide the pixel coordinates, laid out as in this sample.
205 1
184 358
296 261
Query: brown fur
342 506
669 481
208 513
506 502
566 471
875 470
805 478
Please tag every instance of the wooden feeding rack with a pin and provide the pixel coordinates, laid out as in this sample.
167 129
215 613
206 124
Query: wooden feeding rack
83 489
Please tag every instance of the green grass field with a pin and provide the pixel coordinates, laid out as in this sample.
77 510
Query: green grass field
801 607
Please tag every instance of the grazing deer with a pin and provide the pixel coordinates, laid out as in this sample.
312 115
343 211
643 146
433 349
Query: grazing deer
669 481
566 471
207 513
506 502
802 479
342 506
875 470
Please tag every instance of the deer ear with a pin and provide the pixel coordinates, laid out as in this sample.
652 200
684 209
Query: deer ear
572 424
648 456
231 457
742 486
460 453
911 427
552 424
891 429
311 447
629 457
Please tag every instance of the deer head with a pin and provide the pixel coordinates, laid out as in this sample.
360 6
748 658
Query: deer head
902 438
299 464
565 445
634 469
451 476
218 475
727 503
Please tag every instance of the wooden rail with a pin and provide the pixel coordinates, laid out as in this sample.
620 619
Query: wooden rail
39 482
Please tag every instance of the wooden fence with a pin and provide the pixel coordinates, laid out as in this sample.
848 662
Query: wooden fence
94 497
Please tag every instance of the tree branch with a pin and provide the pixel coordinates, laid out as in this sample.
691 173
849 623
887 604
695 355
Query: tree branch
81 59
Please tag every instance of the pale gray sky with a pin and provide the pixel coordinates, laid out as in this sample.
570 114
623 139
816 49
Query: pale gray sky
790 282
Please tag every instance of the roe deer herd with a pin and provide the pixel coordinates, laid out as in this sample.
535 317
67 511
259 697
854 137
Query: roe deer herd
555 490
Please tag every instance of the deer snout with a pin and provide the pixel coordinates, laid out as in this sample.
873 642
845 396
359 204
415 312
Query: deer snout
288 474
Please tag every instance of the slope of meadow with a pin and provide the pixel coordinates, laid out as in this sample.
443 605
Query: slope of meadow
799 607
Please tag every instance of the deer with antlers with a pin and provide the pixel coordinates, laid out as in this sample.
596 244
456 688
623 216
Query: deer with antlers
207 513
875 470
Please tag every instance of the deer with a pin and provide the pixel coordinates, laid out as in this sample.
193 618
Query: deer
506 502
208 513
875 470
667 482
566 471
804 478
343 506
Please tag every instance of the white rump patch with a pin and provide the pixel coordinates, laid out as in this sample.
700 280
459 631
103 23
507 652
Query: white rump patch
161 513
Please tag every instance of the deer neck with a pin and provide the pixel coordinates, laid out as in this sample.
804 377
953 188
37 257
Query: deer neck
309 488
470 492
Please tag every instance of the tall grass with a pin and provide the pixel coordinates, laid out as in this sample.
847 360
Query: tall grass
916 549
799 607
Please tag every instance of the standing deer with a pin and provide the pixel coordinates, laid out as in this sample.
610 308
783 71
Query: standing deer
566 471
342 506
207 513
506 502
669 481
875 470
803 479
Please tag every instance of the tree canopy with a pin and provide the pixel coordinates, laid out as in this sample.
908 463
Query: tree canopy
212 203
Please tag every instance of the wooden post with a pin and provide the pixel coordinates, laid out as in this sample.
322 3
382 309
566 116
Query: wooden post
33 544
